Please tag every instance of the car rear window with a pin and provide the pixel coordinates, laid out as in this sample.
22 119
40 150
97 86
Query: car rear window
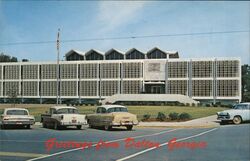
67 111
17 112
117 109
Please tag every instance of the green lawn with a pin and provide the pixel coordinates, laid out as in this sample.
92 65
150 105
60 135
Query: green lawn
195 112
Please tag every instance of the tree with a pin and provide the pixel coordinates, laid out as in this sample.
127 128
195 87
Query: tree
245 83
13 93
7 58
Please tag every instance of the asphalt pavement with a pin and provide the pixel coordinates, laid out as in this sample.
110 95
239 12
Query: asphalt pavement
227 142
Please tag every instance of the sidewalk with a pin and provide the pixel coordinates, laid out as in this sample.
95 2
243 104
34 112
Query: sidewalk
205 122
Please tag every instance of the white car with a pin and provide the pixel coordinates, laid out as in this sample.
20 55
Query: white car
63 116
238 114
16 116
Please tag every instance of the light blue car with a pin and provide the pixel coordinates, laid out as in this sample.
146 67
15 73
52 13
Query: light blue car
238 114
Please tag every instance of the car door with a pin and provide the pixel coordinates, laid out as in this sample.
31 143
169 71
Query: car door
96 120
244 111
247 112
102 115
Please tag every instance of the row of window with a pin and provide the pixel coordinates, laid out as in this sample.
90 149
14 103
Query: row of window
200 88
199 69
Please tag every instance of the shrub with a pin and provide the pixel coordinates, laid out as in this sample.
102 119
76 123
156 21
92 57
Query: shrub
181 104
193 104
173 116
184 116
208 105
187 104
146 117
218 104
161 116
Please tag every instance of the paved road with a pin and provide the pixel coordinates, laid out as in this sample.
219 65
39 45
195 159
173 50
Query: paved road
229 142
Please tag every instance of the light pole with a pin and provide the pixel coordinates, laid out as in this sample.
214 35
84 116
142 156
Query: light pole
57 68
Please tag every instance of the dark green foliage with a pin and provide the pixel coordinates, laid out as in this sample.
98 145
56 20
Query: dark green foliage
173 116
146 117
245 82
7 58
184 116
161 116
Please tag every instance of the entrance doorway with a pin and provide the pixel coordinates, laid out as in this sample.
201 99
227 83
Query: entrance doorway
155 88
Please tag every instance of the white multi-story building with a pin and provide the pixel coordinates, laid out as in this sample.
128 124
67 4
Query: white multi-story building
96 75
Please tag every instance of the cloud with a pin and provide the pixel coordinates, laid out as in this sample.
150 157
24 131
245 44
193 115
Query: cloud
115 14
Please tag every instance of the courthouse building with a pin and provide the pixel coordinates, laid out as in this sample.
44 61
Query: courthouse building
94 75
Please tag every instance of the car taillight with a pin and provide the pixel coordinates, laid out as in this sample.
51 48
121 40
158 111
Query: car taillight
5 118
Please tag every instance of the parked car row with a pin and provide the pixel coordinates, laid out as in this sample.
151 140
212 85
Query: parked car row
58 117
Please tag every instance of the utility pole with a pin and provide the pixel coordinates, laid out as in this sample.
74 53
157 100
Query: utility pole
57 68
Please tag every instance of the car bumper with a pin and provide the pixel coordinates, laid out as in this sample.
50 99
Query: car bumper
13 122
123 123
73 124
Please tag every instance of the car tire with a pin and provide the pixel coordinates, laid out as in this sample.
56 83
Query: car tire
129 127
27 126
107 127
2 127
56 126
237 120
79 127
44 125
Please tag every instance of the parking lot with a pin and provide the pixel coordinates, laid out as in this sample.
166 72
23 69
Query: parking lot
229 142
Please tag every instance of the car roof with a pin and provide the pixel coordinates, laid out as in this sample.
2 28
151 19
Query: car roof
245 103
60 107
15 109
111 106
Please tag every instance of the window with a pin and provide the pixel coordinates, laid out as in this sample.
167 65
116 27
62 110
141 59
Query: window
132 70
52 111
177 69
177 87
17 112
109 88
201 69
110 70
117 109
88 71
241 107
101 110
67 111
228 68
227 88
68 71
30 72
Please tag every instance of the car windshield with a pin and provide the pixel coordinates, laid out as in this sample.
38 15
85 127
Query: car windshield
67 111
117 109
17 112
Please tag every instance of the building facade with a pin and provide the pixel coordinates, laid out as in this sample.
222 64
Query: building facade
95 75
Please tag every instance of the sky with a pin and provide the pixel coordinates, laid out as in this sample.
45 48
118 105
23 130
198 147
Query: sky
35 21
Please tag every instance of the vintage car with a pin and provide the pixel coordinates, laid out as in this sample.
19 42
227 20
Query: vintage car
108 116
17 117
239 113
63 116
